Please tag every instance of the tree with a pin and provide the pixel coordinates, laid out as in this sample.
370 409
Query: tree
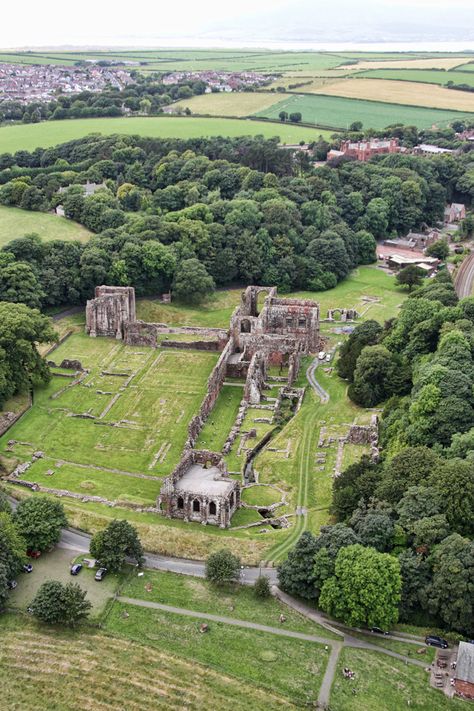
366 247
283 116
410 276
415 572
367 333
295 117
438 249
4 580
262 587
413 466
18 283
374 526
223 567
58 604
357 482
40 520
12 546
453 482
365 590
115 543
450 595
356 126
5 506
328 544
373 376
296 573
192 283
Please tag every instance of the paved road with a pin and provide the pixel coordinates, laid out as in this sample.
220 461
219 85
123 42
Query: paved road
310 374
464 280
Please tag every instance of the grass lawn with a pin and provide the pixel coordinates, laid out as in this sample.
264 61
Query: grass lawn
340 111
47 669
287 667
426 76
236 601
50 133
223 104
16 223
401 92
140 417
261 495
384 684
56 566
216 430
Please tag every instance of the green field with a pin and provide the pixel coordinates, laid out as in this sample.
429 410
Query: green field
51 133
16 223
136 421
216 430
426 76
384 684
467 67
339 112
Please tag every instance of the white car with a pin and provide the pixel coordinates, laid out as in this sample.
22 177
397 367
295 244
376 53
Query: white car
321 355
328 357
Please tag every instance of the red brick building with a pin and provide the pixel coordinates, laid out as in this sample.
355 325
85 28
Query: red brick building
364 150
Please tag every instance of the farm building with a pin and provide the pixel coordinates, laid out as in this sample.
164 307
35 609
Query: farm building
426 149
464 675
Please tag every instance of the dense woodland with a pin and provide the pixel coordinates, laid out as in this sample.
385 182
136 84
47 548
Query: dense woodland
243 210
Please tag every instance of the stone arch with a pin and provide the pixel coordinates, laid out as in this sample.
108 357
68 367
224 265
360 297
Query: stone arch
180 502
212 508
196 506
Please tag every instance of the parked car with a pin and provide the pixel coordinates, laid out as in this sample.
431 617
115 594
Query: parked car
432 640
76 569
11 585
328 357
27 568
321 355
31 553
378 630
101 573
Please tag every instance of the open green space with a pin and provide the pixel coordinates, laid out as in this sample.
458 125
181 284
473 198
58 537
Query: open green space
261 495
427 76
50 133
56 566
291 668
339 112
16 223
384 684
236 601
47 669
216 430
128 415
469 67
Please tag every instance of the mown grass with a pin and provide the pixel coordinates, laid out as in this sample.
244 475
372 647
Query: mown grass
16 223
341 111
216 430
50 133
261 495
288 667
56 670
235 601
427 76
384 684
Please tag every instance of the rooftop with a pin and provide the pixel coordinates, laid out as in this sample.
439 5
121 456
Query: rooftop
199 480
465 662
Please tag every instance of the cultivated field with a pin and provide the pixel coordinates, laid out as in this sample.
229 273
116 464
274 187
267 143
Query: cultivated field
51 670
426 76
234 104
51 133
339 112
127 416
401 92
434 62
17 223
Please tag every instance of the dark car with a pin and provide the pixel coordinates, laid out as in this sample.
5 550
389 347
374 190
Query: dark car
76 569
432 640
378 630
27 568
11 585
101 573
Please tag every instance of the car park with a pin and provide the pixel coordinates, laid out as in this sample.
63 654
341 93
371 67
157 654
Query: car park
76 569
27 568
433 640
101 573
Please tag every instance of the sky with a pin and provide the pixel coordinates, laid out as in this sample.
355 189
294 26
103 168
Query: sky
55 23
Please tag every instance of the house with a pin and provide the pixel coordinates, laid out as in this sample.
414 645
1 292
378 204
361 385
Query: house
400 261
464 674
454 212
364 150
89 188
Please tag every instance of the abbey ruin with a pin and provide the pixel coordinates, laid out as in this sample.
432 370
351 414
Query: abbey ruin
284 329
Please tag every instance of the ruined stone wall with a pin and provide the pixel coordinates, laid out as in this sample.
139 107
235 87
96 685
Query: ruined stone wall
140 333
212 346
238 370
107 313
255 378
214 385
293 367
